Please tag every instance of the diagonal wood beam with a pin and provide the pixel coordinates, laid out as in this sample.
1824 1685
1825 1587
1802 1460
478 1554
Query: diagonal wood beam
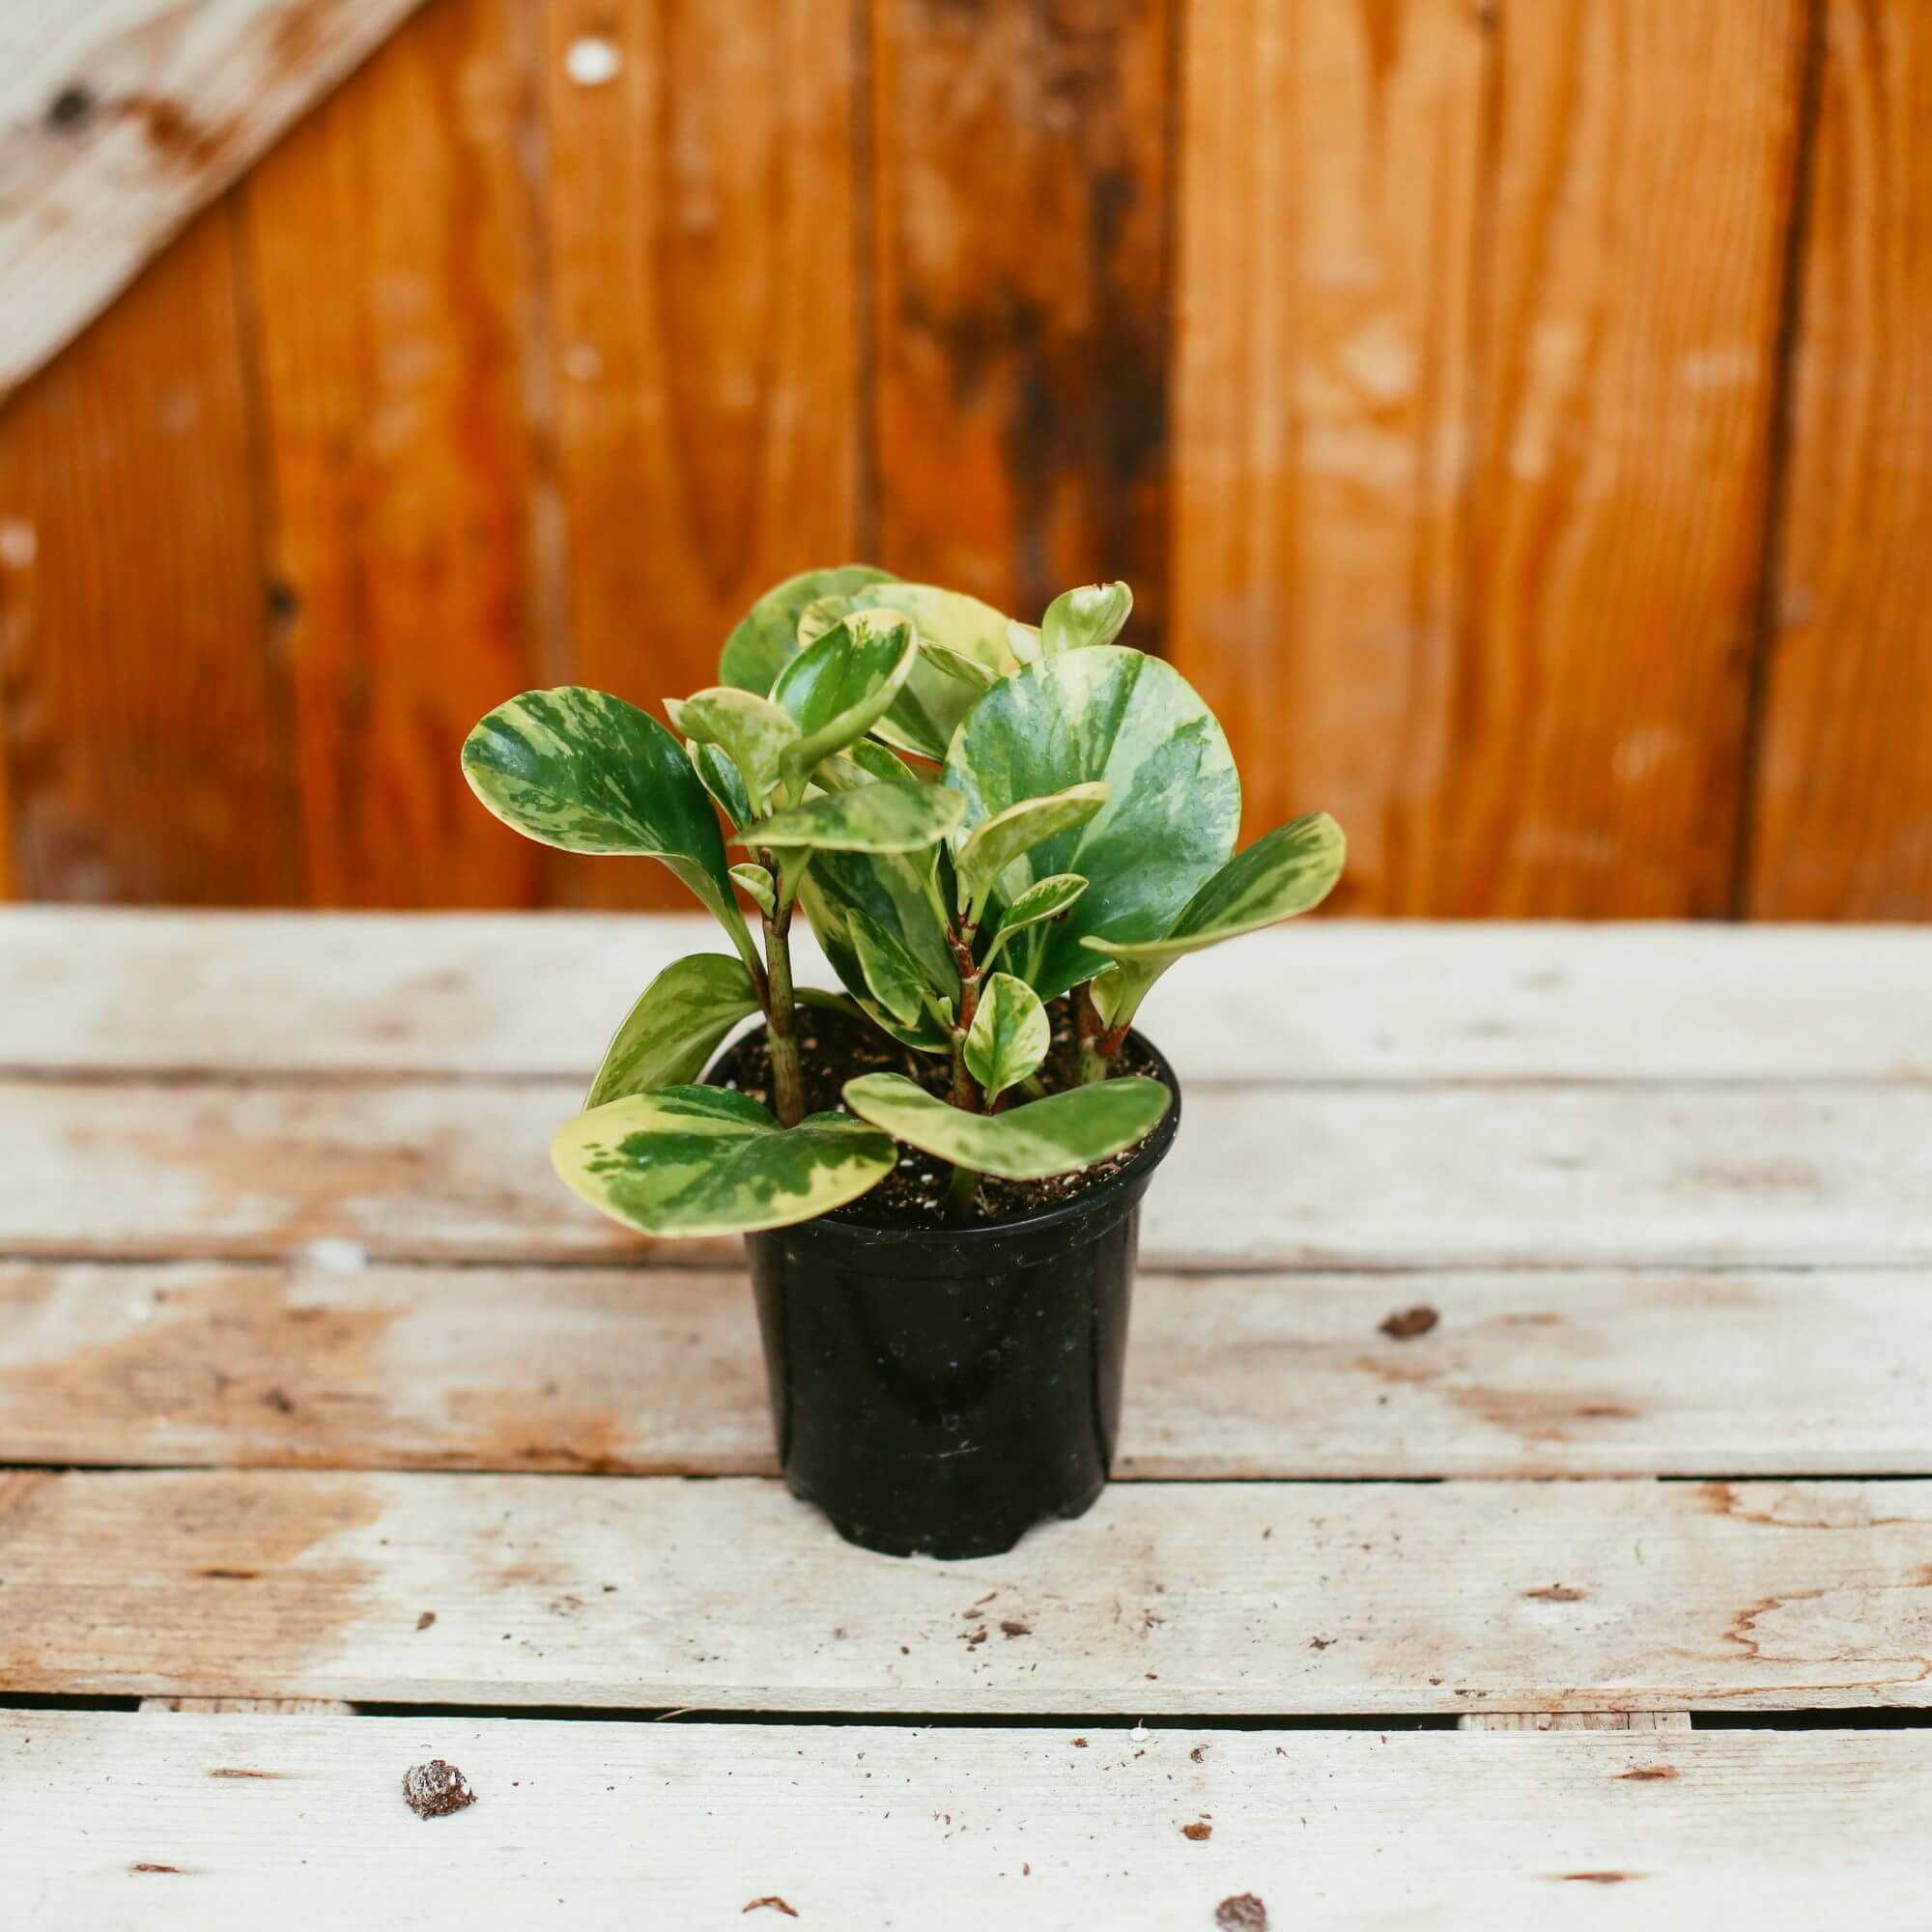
119 118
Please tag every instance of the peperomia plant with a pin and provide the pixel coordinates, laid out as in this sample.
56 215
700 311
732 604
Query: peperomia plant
979 817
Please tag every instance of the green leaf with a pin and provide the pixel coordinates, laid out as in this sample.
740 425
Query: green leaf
1047 899
988 849
1057 1135
837 688
1009 1037
883 765
888 887
1290 869
722 778
870 818
1095 614
957 633
757 881
586 772
1173 807
703 1160
890 971
676 1024
751 732
765 639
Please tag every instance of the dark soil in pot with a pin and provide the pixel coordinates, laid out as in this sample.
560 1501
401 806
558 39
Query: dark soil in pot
939 1389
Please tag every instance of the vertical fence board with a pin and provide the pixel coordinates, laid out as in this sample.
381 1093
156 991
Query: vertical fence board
1843 810
1467 546
146 730
701 249
1324 408
1021 237
391 232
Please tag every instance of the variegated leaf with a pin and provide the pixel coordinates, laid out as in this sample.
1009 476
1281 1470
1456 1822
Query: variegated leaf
676 1024
765 639
890 888
1094 613
586 772
956 632
869 818
890 972
836 689
1289 870
1009 1037
1056 1135
720 778
1045 899
703 1160
1172 805
757 881
982 855
751 732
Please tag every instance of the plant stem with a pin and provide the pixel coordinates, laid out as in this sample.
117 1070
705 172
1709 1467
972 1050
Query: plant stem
788 1076
965 1090
960 1193
1095 1056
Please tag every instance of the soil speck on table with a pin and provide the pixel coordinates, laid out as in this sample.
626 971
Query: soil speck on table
1243 1912
1014 1629
1200 1831
1406 1323
436 1789
775 1902
424 1621
1079 1744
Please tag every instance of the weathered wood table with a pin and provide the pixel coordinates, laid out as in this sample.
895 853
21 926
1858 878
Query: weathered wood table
317 1392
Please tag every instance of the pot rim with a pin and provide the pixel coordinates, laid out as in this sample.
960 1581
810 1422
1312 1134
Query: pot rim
1096 1206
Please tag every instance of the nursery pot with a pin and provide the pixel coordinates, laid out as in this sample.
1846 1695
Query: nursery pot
940 1390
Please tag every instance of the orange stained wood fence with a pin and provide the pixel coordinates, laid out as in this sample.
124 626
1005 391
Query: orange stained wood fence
1515 415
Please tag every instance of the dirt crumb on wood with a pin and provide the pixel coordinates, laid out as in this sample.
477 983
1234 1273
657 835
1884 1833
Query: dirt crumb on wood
1014 1629
1243 1912
1079 1744
424 1621
436 1789
1556 1593
1200 1831
145 1866
774 1902
1406 1323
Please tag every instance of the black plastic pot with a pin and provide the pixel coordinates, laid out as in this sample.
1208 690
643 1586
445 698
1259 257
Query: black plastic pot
940 1391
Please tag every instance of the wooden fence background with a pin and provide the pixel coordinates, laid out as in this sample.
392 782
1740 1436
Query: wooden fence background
1515 415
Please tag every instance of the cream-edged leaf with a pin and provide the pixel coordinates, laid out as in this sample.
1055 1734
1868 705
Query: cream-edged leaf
869 818
837 688
751 732
767 637
1009 1035
703 1160
757 881
720 778
1057 1135
1079 619
890 972
981 855
675 1026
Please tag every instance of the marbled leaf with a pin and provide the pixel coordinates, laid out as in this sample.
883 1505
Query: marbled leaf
675 1026
765 639
1009 1035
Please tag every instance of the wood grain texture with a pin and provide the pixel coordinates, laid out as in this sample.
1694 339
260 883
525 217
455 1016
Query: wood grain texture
146 725
393 308
1843 825
514 996
1400 1177
1020 228
954 1830
629 1372
699 246
123 116
1230 1598
1471 447
1648 1721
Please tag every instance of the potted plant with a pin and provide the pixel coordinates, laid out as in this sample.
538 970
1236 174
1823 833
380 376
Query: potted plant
1001 836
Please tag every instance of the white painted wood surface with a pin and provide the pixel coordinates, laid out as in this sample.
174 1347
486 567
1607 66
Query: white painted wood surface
119 118
608 1827
1220 1598
1357 1176
1574 1372
1321 999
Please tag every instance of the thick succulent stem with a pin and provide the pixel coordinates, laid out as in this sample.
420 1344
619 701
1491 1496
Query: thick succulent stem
965 1089
781 1020
960 1193
1096 1055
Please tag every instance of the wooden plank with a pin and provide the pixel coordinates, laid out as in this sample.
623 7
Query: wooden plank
1843 825
229 1707
393 335
953 1829
1330 1001
1226 1598
123 116
699 173
1397 1177
1019 247
145 713
619 1372
1575 1721
1473 417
